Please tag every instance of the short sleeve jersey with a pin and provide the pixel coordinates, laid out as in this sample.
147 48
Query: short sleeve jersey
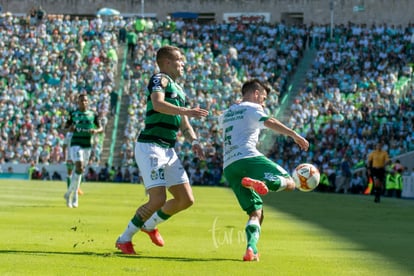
241 125
84 121
378 158
160 128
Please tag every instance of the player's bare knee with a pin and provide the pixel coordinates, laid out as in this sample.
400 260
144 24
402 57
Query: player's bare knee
79 168
261 218
187 202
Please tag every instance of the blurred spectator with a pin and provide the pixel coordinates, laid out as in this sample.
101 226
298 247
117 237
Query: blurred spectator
393 184
345 176
357 183
135 176
56 176
44 174
103 174
324 185
197 177
127 176
91 175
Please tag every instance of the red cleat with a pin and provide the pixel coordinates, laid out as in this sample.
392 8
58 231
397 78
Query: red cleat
257 185
250 256
125 247
155 236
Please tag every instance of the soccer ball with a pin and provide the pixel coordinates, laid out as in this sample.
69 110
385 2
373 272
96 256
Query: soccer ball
306 177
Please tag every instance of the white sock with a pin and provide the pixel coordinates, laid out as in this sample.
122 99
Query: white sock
253 222
152 222
283 183
75 182
129 232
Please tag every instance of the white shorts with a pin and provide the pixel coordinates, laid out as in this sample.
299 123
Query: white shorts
68 138
159 166
76 153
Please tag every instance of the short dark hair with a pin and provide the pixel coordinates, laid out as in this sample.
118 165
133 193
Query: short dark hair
253 85
82 95
166 51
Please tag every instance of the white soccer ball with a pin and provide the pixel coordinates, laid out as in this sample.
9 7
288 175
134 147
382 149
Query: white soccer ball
306 177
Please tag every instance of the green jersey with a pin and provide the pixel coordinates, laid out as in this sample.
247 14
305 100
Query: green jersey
160 128
84 122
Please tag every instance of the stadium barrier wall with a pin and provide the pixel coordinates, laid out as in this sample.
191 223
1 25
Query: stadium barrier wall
408 187
21 171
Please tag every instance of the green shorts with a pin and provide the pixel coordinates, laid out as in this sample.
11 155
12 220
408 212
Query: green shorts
260 168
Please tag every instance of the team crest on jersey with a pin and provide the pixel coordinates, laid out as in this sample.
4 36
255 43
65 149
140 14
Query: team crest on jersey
164 82
157 174
154 175
270 177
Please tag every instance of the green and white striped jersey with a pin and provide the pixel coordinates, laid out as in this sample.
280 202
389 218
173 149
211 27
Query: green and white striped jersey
160 128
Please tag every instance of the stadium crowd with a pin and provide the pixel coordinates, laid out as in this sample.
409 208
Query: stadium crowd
46 62
358 93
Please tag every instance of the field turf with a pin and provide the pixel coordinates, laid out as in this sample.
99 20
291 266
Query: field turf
303 234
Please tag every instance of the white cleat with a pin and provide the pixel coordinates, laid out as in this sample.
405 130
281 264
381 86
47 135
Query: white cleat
68 201
75 203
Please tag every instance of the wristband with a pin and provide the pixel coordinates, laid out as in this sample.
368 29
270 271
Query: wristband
195 142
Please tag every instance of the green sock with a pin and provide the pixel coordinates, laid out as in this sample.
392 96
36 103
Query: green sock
252 235
163 215
137 221
276 183
68 179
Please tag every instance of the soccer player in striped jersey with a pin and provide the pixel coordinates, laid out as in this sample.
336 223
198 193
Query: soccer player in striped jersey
161 169
84 123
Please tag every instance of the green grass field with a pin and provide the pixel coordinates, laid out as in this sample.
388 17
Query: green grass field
303 234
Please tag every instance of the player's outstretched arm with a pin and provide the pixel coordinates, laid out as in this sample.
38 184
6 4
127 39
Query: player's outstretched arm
160 105
279 127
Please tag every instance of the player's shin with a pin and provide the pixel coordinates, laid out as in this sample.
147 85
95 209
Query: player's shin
252 234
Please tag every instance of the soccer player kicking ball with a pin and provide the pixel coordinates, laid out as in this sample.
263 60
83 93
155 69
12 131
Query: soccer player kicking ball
249 173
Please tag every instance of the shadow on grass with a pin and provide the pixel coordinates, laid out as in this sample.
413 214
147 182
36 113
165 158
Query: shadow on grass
117 254
385 228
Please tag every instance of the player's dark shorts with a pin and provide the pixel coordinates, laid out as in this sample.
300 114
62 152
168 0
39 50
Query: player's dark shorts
378 173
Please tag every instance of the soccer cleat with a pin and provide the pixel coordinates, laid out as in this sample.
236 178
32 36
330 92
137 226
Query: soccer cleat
80 192
257 185
250 256
75 201
66 196
155 236
125 247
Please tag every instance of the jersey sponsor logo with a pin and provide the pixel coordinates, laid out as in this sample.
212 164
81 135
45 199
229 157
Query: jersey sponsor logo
231 156
234 115
159 83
